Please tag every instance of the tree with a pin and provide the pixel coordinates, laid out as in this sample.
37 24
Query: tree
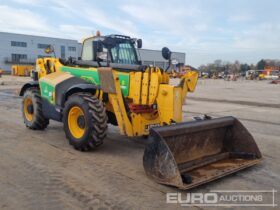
226 67
245 67
235 67
202 68
218 63
261 64
252 66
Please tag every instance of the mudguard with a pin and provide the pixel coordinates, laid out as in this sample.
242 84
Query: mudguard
28 85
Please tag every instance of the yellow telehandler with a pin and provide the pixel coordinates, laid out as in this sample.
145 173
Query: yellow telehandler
108 84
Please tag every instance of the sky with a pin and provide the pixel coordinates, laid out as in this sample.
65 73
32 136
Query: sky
206 30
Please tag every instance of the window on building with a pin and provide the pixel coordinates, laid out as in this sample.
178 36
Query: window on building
43 56
43 46
18 44
73 49
62 50
18 57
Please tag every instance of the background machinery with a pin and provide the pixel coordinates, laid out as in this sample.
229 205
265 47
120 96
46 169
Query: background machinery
21 70
109 85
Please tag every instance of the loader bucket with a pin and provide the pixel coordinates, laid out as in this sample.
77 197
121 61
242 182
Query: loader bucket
189 154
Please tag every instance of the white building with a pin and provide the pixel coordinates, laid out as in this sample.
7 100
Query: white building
16 49
154 57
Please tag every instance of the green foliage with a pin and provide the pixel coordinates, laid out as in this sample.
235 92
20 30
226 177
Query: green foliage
261 64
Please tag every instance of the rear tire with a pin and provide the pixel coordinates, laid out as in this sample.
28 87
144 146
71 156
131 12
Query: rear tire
32 110
85 121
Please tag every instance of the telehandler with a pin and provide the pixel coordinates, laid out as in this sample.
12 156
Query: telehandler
108 84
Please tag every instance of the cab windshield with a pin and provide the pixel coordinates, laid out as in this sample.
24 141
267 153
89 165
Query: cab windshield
124 53
116 50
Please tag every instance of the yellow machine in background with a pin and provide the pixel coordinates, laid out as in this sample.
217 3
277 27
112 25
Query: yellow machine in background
261 76
21 70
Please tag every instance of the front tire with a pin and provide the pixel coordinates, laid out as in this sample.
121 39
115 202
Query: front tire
85 121
32 110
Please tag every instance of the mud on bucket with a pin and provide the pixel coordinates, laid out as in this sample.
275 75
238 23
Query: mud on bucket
189 154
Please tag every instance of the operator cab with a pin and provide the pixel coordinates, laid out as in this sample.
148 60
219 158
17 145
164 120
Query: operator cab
111 50
117 51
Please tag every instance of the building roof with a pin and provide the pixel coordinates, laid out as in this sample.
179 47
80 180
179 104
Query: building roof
9 33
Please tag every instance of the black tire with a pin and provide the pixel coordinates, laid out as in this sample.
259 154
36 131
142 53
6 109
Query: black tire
95 118
38 121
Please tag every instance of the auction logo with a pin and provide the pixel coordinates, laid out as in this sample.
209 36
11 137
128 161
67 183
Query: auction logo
225 198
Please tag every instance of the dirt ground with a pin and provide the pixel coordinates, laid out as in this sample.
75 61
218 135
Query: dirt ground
40 170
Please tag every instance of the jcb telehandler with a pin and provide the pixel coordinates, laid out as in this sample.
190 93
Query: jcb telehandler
108 84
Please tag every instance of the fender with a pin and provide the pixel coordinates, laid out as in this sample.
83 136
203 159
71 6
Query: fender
28 85
55 112
85 87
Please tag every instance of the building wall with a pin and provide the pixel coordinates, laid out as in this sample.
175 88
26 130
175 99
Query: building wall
154 57
28 45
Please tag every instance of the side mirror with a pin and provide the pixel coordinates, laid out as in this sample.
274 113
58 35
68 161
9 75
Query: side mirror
166 53
97 50
98 47
102 56
139 43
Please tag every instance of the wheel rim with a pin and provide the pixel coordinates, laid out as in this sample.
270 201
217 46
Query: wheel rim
28 108
76 122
